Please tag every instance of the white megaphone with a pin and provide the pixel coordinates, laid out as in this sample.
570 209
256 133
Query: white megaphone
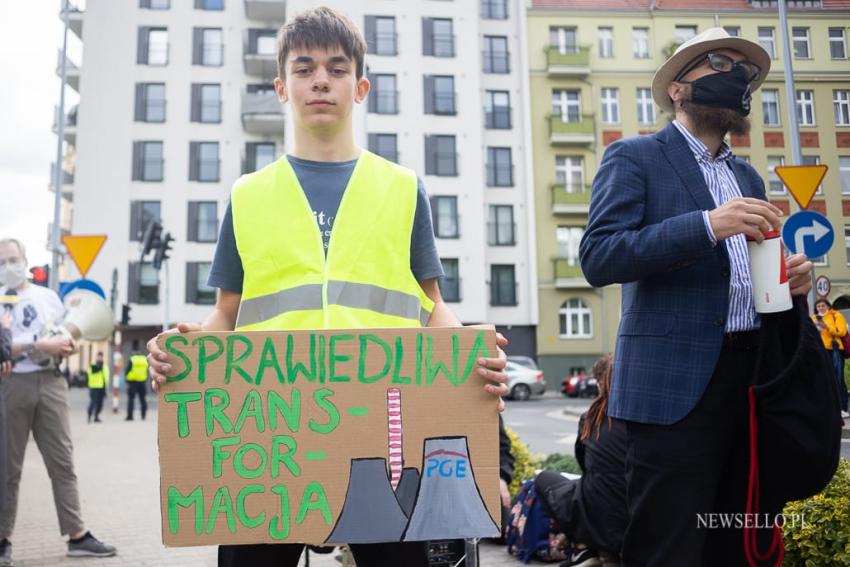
87 316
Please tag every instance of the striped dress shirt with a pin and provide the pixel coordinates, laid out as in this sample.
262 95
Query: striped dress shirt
723 186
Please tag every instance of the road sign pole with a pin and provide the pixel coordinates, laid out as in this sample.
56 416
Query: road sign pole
166 316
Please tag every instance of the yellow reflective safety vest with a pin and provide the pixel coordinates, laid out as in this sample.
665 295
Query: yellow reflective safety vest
139 371
97 380
365 279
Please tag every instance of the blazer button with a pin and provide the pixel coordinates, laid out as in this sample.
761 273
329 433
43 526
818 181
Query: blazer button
726 271
718 322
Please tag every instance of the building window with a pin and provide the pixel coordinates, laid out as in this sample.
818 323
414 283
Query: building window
568 239
495 55
384 145
770 106
683 33
203 221
734 31
444 216
837 45
806 108
847 243
439 94
567 105
438 37
206 103
497 110
207 47
606 42
502 285
844 174
143 284
841 107
152 46
775 186
610 106
381 37
813 160
150 102
645 107
262 42
569 172
800 41
258 155
575 319
501 230
450 282
197 290
203 162
767 42
155 4
142 213
440 156
500 169
217 5
565 39
384 97
640 43
148 163
494 9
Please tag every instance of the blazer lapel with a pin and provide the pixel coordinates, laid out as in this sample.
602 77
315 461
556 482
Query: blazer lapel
743 183
677 152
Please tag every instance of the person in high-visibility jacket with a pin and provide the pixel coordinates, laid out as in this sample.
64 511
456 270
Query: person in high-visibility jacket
137 378
98 379
330 236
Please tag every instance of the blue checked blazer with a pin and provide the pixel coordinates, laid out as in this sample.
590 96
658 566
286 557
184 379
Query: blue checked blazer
646 231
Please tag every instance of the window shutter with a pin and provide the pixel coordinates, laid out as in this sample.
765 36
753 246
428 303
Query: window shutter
194 163
192 224
250 157
138 150
427 36
371 35
195 109
252 40
191 282
429 94
430 155
135 219
142 46
373 143
373 100
139 111
133 282
197 45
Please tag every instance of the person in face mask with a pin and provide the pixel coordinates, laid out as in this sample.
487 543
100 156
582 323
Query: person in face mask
36 399
668 220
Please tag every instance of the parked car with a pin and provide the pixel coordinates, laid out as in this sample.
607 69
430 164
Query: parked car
579 386
526 361
523 382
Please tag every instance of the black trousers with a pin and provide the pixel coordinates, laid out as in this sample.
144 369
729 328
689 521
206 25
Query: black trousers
137 389
412 554
96 401
678 475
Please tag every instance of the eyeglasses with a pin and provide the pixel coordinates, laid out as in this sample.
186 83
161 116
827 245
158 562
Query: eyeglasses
723 64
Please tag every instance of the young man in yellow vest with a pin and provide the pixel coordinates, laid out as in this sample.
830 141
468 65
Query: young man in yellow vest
98 379
370 262
137 378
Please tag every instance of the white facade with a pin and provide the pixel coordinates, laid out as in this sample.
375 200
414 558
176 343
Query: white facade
103 187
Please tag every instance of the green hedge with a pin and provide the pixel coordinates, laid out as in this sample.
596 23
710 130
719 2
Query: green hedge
525 463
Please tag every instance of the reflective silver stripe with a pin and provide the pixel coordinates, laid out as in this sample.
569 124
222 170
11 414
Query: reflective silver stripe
424 317
375 298
267 307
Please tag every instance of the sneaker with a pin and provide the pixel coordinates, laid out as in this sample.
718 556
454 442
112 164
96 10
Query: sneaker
582 558
89 546
6 553
844 414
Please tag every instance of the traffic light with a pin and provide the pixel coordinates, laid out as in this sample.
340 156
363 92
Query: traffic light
161 254
151 239
125 314
40 275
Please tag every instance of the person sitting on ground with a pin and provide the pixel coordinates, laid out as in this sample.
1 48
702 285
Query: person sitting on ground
591 510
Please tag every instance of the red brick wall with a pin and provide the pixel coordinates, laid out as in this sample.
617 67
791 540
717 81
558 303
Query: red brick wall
818 206
784 205
741 141
809 139
609 136
774 140
842 139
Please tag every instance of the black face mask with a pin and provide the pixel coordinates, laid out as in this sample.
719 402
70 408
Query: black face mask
723 90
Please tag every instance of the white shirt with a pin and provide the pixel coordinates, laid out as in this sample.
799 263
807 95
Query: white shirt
38 306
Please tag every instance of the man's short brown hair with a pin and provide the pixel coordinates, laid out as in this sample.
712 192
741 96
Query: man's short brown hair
320 28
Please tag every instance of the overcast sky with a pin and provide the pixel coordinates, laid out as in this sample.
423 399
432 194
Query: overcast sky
29 41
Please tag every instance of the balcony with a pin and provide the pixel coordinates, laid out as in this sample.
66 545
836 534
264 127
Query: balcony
72 72
501 234
577 133
67 182
262 113
70 126
568 276
265 10
570 200
570 64
75 20
260 64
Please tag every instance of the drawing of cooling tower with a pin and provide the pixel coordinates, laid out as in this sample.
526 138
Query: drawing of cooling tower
448 503
394 433
370 513
406 491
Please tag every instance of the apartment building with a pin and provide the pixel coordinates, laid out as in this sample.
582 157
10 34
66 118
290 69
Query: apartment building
591 66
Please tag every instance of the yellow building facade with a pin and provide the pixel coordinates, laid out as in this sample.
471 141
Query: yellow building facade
590 77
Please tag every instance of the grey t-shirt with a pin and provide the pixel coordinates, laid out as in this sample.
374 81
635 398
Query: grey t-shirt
323 184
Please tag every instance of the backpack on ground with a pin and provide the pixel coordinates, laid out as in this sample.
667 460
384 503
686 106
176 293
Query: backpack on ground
529 533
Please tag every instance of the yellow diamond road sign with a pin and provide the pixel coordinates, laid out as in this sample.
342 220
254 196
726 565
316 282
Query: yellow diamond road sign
801 180
84 249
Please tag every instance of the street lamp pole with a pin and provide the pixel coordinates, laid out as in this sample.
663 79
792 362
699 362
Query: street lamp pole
58 177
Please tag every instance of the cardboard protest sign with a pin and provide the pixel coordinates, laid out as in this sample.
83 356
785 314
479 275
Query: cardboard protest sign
338 436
